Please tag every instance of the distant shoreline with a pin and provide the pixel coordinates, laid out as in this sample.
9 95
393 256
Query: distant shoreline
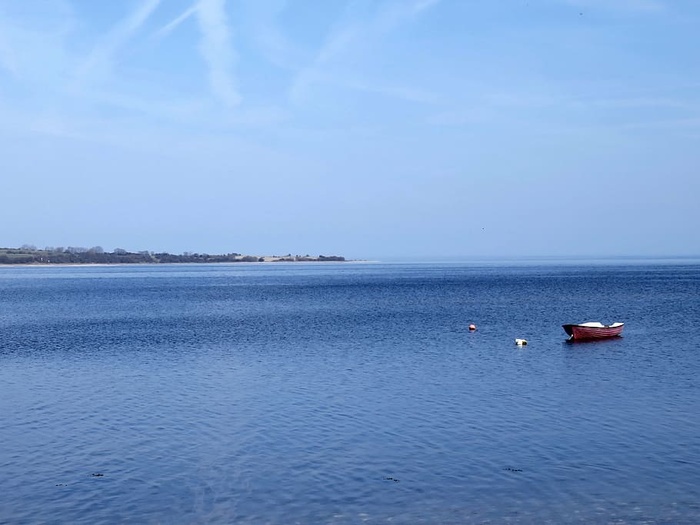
100 265
30 256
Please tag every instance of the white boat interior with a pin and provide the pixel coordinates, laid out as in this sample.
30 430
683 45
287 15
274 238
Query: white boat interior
596 324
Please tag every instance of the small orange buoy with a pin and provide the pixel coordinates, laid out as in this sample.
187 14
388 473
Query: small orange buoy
472 327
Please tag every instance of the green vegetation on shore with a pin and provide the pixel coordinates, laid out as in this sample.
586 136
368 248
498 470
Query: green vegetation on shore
96 255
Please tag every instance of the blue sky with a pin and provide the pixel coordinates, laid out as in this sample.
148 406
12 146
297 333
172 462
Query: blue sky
365 128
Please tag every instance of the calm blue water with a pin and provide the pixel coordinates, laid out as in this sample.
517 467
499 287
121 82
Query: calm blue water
349 393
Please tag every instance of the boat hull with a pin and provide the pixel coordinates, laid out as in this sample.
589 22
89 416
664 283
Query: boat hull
581 333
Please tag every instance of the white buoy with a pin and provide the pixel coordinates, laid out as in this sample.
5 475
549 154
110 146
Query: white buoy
521 342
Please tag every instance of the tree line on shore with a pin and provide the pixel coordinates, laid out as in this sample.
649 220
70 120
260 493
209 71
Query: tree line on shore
28 254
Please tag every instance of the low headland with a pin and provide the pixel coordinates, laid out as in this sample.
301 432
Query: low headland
96 255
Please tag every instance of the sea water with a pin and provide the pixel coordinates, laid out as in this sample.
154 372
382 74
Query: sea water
349 393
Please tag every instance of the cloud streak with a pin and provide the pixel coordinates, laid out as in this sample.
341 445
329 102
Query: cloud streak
215 47
264 29
171 26
217 51
117 38
7 57
621 5
355 34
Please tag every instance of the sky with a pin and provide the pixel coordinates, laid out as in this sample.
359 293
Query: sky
362 128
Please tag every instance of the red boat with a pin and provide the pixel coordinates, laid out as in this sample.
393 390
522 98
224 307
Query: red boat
592 330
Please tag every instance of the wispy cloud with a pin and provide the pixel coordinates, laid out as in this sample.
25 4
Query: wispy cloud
626 5
407 93
682 124
355 82
264 30
420 5
103 53
7 56
170 26
216 48
357 33
33 49
641 102
8 61
338 41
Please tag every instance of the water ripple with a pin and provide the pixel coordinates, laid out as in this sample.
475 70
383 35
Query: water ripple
214 395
